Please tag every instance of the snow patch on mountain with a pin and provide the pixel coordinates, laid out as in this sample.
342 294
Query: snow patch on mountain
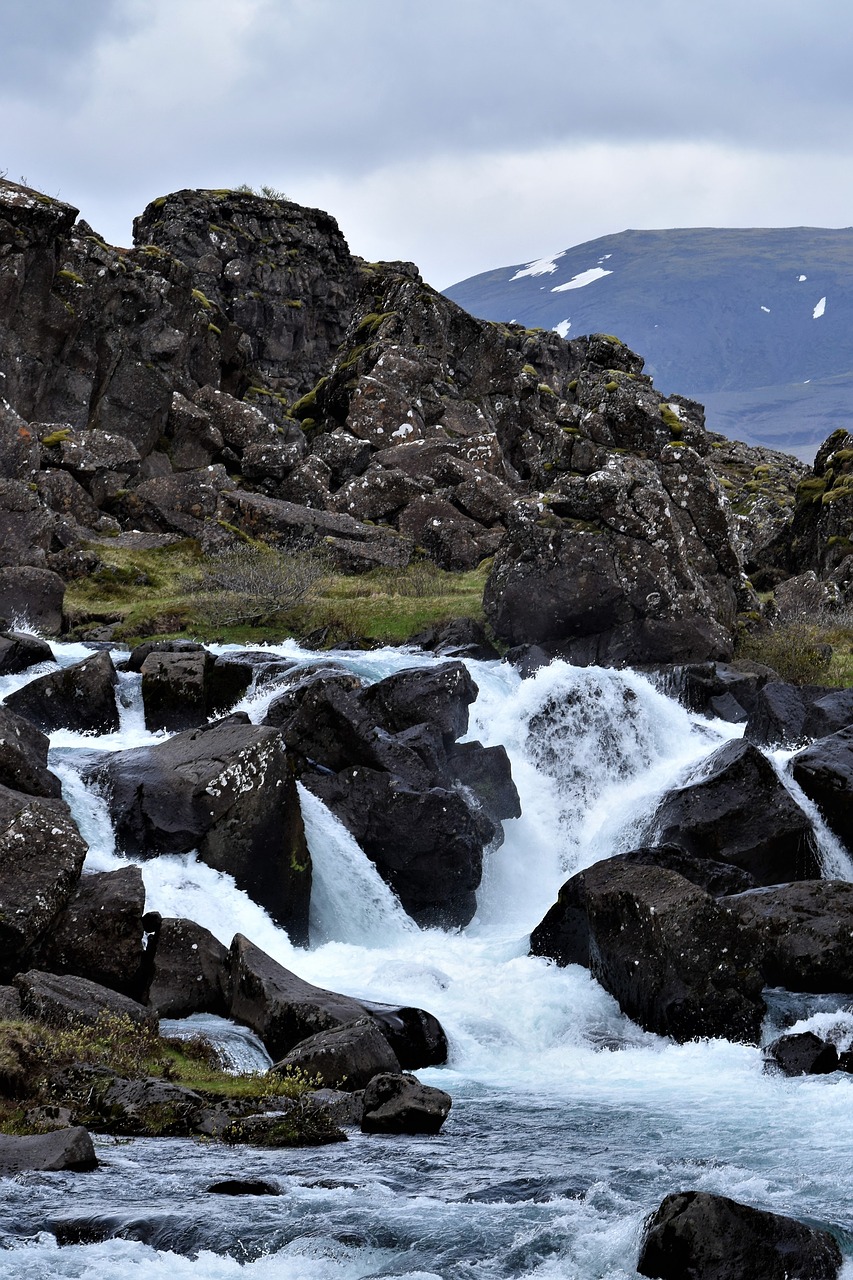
563 328
819 309
582 279
541 267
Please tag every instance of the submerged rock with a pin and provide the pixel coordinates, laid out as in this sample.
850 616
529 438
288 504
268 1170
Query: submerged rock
694 1235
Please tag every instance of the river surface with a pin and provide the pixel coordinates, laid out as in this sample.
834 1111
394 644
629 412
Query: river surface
569 1123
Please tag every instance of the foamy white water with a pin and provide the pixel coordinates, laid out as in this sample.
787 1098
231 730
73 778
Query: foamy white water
569 1122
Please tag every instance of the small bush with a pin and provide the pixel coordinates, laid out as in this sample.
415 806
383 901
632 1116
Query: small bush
250 584
797 650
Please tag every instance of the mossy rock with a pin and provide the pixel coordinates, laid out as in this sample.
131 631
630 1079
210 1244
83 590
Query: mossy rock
811 489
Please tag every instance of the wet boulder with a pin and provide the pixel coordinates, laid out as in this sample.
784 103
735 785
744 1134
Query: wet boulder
737 810
191 971
563 933
401 1104
786 715
438 695
62 1000
227 791
459 638
677 961
104 934
19 651
487 773
802 932
80 697
41 857
726 690
65 1149
32 594
284 1009
694 1235
802 1054
23 757
825 773
181 690
346 1057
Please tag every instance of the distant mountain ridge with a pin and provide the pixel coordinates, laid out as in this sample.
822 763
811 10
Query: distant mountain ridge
756 324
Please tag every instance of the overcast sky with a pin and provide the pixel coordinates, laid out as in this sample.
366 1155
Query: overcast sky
460 134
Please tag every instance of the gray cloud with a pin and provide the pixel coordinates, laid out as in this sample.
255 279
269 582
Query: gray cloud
417 117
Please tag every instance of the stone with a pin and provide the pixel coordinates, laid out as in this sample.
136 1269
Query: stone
786 715
23 757
694 1235
401 1104
347 1057
146 1108
737 810
104 934
20 651
803 1054
439 696
80 697
825 773
243 1187
34 595
62 1000
298 1122
802 933
64 1149
459 638
182 689
41 857
227 791
487 772
191 971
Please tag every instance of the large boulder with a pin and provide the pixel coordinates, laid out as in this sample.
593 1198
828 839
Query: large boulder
227 791
346 1057
65 1000
31 594
191 971
439 696
19 651
802 1054
825 773
802 933
64 1149
785 715
181 690
23 757
737 810
677 961
284 1009
104 934
401 1104
80 697
41 857
694 1235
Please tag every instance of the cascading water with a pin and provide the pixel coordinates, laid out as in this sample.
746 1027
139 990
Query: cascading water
569 1122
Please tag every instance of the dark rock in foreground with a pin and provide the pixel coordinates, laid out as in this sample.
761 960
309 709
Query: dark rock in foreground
80 697
401 1104
698 1236
737 810
23 757
191 972
19 651
787 715
243 1187
49 1152
677 961
825 773
802 933
62 1000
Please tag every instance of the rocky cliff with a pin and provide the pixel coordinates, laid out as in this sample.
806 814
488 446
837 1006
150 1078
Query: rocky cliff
239 372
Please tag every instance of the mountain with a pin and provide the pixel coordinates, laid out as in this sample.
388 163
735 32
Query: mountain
755 324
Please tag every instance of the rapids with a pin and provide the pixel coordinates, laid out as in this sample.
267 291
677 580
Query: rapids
569 1122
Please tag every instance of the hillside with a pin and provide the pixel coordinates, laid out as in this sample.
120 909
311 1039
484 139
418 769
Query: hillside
755 324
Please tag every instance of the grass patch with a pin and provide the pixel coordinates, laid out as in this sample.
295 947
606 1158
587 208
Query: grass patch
816 650
160 594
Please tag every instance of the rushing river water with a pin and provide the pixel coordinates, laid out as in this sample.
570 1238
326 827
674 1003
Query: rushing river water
569 1123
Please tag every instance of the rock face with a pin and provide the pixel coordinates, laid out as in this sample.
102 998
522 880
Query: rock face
802 933
698 1236
678 962
825 772
738 811
227 791
786 715
180 690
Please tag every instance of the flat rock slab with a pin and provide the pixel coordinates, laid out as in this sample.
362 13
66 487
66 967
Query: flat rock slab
48 1152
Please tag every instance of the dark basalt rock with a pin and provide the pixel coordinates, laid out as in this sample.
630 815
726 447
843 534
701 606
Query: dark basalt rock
439 696
726 690
563 933
23 757
802 932
243 1187
283 1010
401 1104
34 594
347 1057
80 697
64 1149
227 791
104 934
487 772
785 715
677 961
694 1235
297 1122
34 890
804 1054
191 971
65 999
182 689
20 651
825 773
459 638
737 810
